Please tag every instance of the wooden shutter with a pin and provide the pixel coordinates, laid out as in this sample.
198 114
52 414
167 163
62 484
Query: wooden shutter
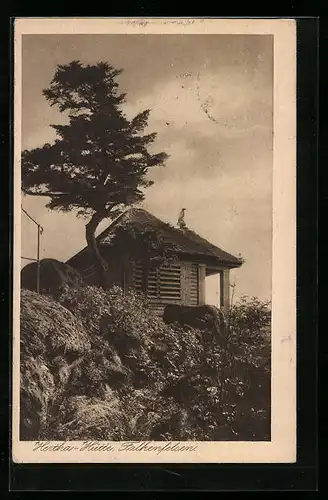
137 277
194 288
164 283
152 288
170 284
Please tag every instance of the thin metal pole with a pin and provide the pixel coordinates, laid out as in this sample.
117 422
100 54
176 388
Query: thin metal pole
40 231
28 215
38 263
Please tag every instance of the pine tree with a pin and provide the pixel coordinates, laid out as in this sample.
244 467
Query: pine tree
100 159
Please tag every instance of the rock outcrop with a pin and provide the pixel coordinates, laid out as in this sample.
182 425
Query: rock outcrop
53 275
205 317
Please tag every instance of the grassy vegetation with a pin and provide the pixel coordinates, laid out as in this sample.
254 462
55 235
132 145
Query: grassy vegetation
100 365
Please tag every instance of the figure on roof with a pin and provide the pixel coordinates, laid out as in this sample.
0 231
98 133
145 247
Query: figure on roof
181 222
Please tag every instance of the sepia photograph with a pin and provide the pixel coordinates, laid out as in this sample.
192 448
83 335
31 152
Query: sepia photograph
145 212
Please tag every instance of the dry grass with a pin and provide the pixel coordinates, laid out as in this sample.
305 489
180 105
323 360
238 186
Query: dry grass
45 324
101 365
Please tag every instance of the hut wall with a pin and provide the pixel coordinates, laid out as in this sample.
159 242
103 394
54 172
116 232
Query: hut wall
180 283
90 276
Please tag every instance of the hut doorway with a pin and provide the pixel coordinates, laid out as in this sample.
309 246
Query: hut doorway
212 290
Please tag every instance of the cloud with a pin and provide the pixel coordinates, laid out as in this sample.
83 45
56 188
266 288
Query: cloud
228 102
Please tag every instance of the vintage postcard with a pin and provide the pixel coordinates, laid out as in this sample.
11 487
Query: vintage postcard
154 241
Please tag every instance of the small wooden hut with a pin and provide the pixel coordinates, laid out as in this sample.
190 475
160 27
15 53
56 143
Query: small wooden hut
181 282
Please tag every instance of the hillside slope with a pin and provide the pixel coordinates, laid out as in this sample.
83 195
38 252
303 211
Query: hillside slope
100 365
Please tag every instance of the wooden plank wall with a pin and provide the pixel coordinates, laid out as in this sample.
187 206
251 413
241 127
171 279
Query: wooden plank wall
201 283
189 284
90 276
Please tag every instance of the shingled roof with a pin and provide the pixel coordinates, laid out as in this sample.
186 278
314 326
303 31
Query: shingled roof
185 240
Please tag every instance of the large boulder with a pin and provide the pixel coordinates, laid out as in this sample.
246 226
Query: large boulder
53 275
62 363
204 317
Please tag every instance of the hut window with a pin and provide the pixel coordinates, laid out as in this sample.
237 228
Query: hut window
194 285
170 283
163 283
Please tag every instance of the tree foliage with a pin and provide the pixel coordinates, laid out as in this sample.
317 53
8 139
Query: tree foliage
100 159
98 144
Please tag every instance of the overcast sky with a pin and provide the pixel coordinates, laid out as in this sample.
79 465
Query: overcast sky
211 102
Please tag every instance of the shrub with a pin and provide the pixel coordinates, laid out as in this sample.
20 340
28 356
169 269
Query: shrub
248 371
101 365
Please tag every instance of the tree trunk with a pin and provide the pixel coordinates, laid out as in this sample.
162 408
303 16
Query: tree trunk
100 262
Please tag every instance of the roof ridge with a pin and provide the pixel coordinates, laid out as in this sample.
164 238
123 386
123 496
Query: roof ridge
213 247
113 222
188 230
140 215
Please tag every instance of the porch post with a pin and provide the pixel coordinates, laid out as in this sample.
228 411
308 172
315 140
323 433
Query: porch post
225 289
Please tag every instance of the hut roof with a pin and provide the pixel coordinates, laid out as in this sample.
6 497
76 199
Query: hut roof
185 240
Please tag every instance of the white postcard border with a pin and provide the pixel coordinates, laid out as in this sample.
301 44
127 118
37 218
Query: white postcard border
282 447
